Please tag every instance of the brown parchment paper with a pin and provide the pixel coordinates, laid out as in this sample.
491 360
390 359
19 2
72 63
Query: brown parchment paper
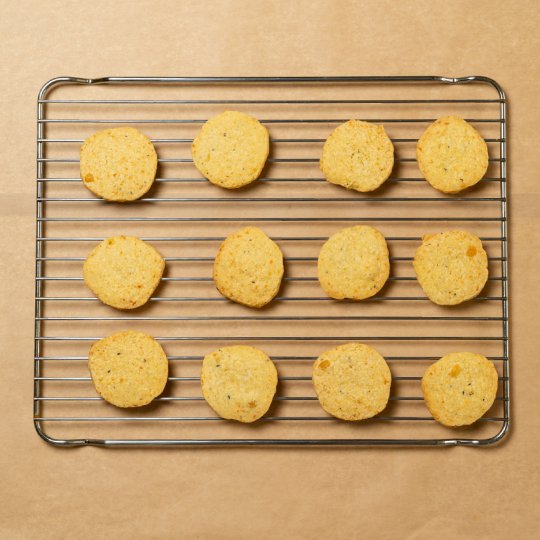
48 492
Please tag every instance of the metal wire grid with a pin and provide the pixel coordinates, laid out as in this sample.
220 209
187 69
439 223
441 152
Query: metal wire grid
41 299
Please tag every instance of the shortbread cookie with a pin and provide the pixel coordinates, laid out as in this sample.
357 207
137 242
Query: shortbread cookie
231 149
123 271
118 164
354 263
451 266
128 369
358 155
352 381
239 382
459 388
249 267
452 155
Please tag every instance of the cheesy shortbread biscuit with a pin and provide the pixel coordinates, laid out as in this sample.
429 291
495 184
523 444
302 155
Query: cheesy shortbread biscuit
128 369
118 164
123 271
459 388
239 382
352 381
451 266
358 155
249 267
354 263
452 155
231 149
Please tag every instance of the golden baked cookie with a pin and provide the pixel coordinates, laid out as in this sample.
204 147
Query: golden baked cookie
352 381
358 155
123 271
249 267
128 369
451 266
459 388
239 382
231 149
354 263
452 155
118 164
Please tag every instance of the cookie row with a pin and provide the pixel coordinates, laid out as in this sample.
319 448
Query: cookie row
354 263
231 150
352 382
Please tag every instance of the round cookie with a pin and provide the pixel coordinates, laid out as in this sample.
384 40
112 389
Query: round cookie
239 382
231 149
128 369
459 388
354 263
118 164
123 271
248 268
451 266
352 381
452 155
358 155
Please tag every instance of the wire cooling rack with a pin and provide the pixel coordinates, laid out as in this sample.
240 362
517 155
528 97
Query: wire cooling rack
186 219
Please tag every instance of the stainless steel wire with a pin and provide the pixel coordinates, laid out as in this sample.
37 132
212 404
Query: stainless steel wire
44 301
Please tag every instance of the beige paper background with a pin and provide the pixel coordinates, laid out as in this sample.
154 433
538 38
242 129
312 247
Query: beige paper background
48 492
